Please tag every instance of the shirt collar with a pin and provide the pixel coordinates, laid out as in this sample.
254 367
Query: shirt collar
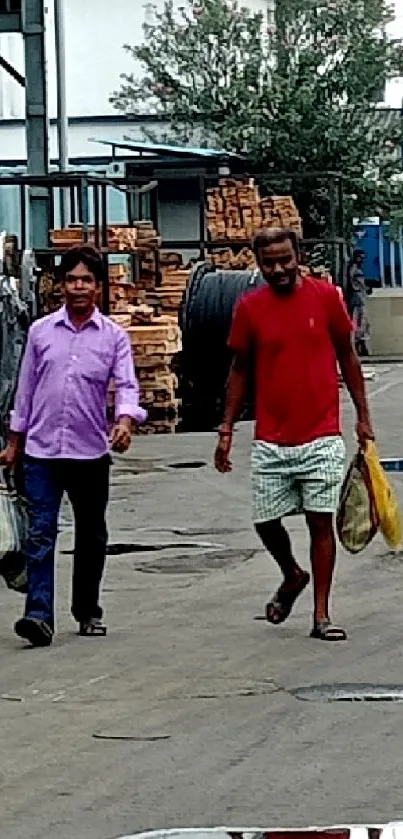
61 317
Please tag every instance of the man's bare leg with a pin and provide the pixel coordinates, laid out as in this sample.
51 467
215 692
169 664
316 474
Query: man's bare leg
323 557
277 542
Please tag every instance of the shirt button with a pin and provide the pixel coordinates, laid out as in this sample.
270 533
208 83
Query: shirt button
74 358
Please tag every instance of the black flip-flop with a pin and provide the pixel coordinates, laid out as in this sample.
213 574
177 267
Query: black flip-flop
37 632
92 628
327 631
281 605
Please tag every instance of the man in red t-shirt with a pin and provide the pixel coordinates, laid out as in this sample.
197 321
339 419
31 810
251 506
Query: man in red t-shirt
293 331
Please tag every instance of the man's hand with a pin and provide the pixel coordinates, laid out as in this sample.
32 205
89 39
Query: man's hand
222 453
9 456
121 435
364 432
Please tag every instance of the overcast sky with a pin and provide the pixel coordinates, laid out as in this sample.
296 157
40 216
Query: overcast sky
394 90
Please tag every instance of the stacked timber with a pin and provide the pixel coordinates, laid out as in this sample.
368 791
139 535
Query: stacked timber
164 291
235 211
123 238
155 341
228 260
122 293
50 293
139 241
167 297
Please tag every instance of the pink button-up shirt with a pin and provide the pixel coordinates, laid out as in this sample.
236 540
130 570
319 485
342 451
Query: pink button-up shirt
61 398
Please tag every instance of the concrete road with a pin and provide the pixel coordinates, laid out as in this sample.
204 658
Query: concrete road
184 714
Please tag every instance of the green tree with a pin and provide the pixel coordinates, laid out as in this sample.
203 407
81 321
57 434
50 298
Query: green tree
298 94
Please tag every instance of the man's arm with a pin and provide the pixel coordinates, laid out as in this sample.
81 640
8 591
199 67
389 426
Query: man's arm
20 416
350 366
127 392
240 342
237 385
351 371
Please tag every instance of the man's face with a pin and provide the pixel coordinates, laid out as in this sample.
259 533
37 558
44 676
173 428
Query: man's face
81 289
278 263
359 259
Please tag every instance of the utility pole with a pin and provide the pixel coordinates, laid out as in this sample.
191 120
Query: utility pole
62 120
33 31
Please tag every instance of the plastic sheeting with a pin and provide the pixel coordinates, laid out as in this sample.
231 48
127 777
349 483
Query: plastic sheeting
14 321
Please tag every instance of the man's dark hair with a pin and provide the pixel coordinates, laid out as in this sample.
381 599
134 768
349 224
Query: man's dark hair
86 254
266 237
358 252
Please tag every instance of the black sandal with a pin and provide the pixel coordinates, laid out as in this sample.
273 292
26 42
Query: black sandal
327 631
281 605
92 628
37 632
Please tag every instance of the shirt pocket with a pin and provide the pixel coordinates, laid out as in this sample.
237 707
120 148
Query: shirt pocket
97 366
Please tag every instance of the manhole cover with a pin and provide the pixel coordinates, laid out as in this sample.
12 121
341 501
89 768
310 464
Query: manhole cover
350 693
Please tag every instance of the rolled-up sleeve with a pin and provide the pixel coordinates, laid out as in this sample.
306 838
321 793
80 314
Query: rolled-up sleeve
127 391
20 416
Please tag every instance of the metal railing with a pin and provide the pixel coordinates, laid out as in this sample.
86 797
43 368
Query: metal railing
88 205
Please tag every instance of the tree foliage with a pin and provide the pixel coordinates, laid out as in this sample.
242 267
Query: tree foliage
295 94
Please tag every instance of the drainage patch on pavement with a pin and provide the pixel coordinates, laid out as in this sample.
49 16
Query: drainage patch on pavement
196 563
224 687
128 736
122 548
243 691
125 548
212 531
349 692
135 465
187 464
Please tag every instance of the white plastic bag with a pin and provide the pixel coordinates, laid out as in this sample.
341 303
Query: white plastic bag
13 532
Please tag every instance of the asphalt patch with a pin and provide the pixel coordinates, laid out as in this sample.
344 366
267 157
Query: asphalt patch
349 692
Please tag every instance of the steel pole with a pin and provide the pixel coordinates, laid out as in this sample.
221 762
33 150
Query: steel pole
33 30
62 119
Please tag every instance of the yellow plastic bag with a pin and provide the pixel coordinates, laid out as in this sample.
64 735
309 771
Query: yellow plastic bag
390 520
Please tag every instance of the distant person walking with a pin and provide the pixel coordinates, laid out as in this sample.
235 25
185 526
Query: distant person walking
356 297
59 429
290 334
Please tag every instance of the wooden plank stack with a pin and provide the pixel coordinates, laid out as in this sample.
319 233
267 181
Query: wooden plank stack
155 340
149 314
153 330
166 291
228 260
121 238
235 211
167 297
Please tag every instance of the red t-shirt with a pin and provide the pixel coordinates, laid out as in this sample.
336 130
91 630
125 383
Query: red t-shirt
292 339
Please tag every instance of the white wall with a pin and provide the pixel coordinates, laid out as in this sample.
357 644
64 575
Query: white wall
13 146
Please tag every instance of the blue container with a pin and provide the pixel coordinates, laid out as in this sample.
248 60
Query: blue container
382 266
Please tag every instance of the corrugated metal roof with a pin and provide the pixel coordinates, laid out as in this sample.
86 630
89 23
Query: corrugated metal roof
160 149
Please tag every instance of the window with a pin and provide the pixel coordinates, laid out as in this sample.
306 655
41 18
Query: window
10 6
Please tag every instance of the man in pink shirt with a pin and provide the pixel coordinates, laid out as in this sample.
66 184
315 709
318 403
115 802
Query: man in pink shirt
59 427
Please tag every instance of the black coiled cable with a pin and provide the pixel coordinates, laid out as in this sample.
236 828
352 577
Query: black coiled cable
205 317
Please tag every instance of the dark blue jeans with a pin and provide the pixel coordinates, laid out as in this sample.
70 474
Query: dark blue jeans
86 483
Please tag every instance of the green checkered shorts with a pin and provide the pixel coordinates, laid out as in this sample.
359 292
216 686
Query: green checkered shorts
287 480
